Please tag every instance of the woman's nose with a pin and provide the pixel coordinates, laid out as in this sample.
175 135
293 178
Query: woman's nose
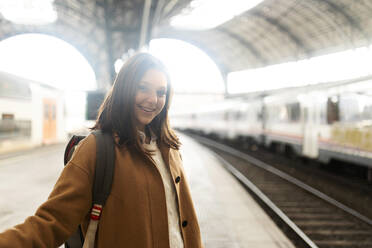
152 97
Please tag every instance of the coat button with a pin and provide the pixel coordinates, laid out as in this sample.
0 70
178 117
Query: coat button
178 179
184 223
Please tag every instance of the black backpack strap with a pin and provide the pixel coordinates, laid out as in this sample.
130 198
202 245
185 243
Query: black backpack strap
104 174
76 240
105 165
70 148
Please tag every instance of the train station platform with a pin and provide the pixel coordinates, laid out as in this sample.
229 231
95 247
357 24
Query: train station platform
229 217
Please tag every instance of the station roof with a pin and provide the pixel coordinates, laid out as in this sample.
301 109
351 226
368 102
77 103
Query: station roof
278 31
274 31
102 30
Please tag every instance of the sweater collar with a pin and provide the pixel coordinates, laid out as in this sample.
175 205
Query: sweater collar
143 136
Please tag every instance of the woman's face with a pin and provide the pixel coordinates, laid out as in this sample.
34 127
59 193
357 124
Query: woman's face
150 97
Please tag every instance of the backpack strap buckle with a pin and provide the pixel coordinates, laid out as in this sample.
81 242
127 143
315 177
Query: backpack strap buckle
95 214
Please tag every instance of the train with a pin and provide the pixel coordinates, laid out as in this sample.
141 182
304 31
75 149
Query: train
325 121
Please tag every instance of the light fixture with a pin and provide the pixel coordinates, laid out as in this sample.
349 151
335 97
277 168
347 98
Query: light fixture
207 14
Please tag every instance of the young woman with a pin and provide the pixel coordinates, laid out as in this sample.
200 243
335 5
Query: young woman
150 203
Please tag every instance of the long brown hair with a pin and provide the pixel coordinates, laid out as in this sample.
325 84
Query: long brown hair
116 114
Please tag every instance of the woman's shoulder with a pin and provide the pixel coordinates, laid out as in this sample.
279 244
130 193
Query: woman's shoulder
175 153
84 155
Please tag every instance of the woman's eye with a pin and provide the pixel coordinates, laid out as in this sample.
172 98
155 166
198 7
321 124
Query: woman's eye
161 93
142 87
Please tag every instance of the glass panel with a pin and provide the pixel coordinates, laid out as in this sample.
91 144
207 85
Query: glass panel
356 107
46 111
10 128
53 112
333 109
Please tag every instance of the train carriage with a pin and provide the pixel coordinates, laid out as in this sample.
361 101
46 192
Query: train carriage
324 121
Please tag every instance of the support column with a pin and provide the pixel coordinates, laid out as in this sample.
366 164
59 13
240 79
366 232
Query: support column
224 78
108 35
145 24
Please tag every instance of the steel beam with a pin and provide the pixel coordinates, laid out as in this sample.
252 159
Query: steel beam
108 35
284 29
144 23
244 43
348 18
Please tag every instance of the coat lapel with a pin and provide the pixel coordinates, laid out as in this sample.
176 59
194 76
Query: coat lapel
169 160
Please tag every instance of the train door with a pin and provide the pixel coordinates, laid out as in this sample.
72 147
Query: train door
49 120
310 124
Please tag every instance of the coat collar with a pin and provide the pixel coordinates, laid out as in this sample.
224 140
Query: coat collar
164 149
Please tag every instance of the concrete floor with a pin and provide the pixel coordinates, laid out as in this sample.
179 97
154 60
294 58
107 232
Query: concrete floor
228 216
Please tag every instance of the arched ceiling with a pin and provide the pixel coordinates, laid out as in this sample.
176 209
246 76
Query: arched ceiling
275 31
102 30
278 31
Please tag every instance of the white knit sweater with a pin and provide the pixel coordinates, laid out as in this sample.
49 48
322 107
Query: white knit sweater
175 237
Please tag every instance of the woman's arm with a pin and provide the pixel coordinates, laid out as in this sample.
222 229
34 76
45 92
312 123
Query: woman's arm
66 207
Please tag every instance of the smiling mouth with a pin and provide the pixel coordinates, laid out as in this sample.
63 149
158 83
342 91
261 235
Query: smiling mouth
148 110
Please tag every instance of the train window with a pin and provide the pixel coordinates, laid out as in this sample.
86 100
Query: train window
259 116
365 106
274 114
323 115
226 116
306 115
355 107
238 115
333 109
53 112
293 110
283 114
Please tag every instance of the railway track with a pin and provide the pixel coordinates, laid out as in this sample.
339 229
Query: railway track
309 217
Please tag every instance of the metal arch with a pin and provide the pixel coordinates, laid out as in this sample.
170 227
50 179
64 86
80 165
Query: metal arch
309 29
86 53
100 24
172 7
187 37
80 14
74 30
157 11
347 17
246 44
285 30
14 32
321 16
266 45
75 25
270 42
168 7
223 68
368 6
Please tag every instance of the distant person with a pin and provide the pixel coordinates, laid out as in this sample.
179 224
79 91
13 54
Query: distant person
150 203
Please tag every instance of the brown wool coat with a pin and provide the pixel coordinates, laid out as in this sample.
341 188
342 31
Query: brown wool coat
135 214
